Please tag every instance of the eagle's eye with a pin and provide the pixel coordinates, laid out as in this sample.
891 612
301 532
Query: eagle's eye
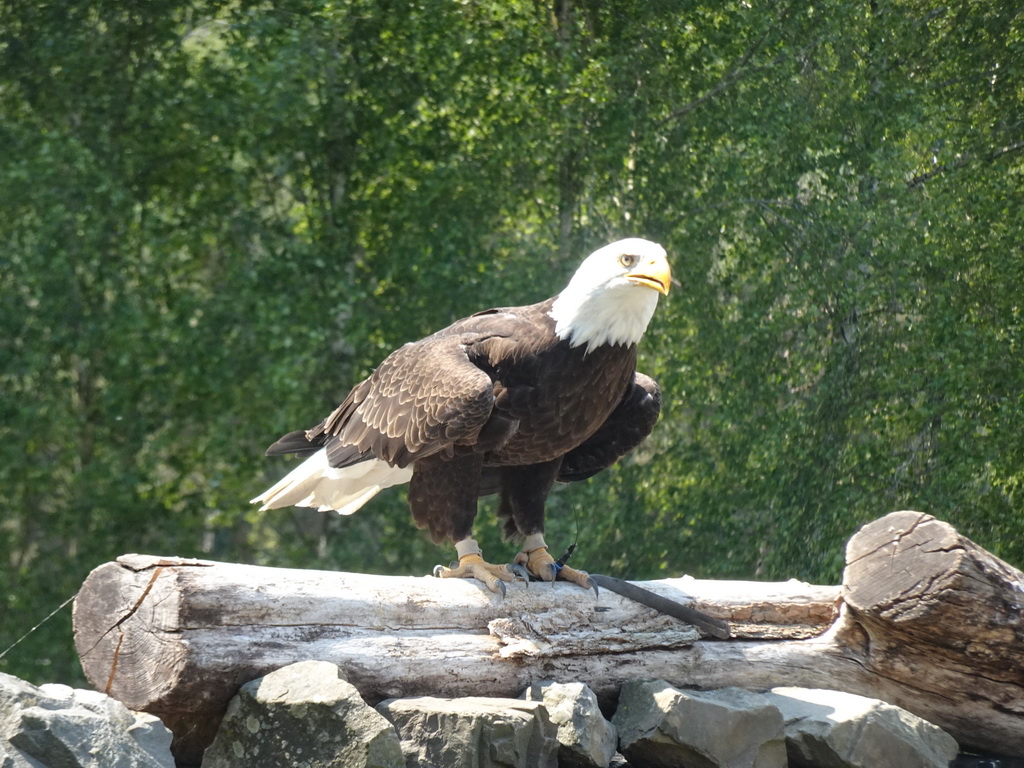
628 260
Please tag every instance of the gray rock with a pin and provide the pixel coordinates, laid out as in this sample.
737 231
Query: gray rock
55 726
663 727
586 739
303 716
13 758
830 729
473 732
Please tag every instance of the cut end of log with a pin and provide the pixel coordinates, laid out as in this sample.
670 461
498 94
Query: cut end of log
930 608
124 649
916 574
889 560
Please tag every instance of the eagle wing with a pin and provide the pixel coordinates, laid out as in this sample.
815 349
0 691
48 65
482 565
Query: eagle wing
628 425
426 398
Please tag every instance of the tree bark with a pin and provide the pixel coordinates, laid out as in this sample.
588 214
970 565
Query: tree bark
925 619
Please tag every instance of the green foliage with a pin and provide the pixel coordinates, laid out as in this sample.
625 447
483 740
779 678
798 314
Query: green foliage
215 217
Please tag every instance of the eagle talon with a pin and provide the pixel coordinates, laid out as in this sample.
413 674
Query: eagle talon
552 574
543 566
580 578
472 566
520 572
591 585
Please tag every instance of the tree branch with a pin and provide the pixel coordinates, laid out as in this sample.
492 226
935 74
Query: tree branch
734 75
939 170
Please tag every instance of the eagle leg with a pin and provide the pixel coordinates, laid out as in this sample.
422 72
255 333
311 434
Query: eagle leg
539 562
473 566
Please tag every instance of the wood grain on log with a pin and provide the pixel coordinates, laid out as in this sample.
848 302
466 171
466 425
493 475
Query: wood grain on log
929 623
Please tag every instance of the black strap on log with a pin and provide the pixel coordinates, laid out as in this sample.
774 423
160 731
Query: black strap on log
707 624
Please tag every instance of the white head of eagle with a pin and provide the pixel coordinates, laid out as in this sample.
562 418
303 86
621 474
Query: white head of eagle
613 295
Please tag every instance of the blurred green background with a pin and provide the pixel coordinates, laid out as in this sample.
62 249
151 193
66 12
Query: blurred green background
215 217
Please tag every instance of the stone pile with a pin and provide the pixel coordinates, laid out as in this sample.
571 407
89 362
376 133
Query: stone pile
54 726
307 716
558 725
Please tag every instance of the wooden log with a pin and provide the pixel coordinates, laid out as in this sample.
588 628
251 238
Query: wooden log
178 637
938 621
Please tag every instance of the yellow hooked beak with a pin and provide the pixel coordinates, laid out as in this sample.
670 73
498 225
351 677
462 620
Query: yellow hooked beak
654 273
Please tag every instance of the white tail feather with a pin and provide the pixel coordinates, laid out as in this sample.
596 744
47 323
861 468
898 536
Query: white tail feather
344 489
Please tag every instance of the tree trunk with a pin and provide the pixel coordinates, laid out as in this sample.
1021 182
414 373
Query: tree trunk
927 620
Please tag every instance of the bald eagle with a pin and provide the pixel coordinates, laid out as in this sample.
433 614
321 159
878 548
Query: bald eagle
505 401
